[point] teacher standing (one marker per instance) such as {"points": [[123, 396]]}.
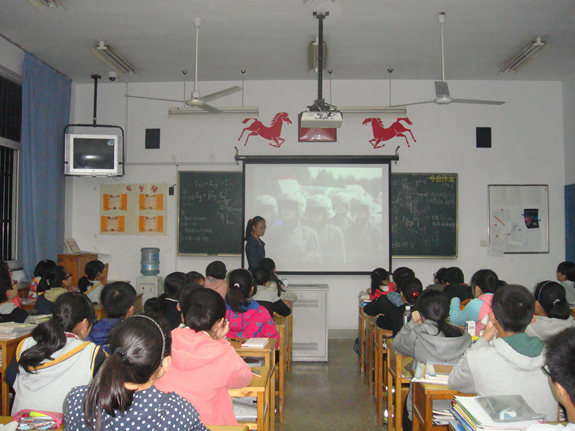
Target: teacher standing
{"points": [[255, 247]]}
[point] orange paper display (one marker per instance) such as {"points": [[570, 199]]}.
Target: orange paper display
{"points": [[116, 202], [153, 202], [115, 224], [151, 224]]}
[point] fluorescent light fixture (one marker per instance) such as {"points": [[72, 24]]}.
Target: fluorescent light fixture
{"points": [[380, 111], [231, 112], [526, 56], [39, 4], [112, 59]]}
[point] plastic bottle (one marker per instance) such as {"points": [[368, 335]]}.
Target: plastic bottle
{"points": [[407, 314]]}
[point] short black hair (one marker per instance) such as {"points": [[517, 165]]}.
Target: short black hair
{"points": [[202, 308], [486, 280], [5, 286], [261, 276], [567, 269], [401, 274], [216, 269], [513, 307], [440, 275], [195, 277], [174, 282], [411, 289], [186, 290], [560, 358], [454, 275], [117, 298]]}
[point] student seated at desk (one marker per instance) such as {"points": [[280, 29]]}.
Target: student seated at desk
{"points": [[118, 301], [266, 297], [197, 278], [59, 282], [484, 283], [55, 359], [276, 285], [505, 360], [204, 364], [41, 271], [380, 284], [390, 314], [216, 278], [167, 303], [566, 276], [559, 360], [91, 284], [8, 310], [6, 270], [248, 319], [455, 285], [122, 395], [438, 280], [429, 337], [552, 312]]}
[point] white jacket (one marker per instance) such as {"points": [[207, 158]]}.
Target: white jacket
{"points": [[545, 327]]}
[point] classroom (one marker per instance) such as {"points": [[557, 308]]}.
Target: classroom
{"points": [[533, 133]]}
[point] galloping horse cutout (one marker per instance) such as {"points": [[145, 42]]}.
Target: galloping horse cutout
{"points": [[380, 133], [271, 133]]}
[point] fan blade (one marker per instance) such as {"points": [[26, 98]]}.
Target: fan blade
{"points": [[210, 108], [478, 102], [222, 93], [411, 104], [441, 90], [156, 98]]}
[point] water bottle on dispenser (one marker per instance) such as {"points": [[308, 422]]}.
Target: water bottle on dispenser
{"points": [[149, 284]]}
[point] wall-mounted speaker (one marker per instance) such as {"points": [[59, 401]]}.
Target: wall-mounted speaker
{"points": [[152, 139], [483, 137]]}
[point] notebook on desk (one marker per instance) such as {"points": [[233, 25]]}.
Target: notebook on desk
{"points": [[255, 343]]}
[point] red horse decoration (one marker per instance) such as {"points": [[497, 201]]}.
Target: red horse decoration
{"points": [[271, 133], [380, 133]]}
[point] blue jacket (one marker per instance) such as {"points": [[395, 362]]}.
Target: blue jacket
{"points": [[100, 333]]}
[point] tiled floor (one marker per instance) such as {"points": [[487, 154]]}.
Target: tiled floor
{"points": [[329, 396]]}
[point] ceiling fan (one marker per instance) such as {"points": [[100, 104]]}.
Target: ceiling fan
{"points": [[197, 101], [442, 96]]}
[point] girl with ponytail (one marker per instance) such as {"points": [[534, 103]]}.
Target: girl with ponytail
{"points": [[55, 359], [202, 355], [91, 283], [552, 312], [255, 247], [276, 284], [123, 395], [428, 337], [50, 288], [247, 318]]}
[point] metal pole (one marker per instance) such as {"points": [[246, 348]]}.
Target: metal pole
{"points": [[94, 117]]}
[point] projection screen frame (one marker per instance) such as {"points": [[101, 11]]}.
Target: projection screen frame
{"points": [[319, 160]]}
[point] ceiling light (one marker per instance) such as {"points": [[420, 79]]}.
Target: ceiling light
{"points": [[39, 4], [232, 112], [313, 54], [112, 59], [526, 56]]}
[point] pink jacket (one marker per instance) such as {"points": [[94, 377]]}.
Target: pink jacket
{"points": [[483, 311], [220, 286], [255, 322], [202, 371]]}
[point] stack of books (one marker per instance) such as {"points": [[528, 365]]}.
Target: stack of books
{"points": [[432, 372], [500, 412], [13, 330], [255, 343]]}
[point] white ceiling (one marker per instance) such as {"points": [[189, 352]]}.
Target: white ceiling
{"points": [[269, 38]]}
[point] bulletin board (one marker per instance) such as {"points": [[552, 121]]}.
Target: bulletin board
{"points": [[518, 219]]}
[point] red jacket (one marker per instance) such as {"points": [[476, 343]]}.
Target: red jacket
{"points": [[202, 371]]}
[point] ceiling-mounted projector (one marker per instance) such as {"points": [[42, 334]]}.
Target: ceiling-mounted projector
{"points": [[321, 120]]}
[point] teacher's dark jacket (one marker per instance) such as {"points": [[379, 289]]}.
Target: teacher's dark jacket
{"points": [[255, 251]]}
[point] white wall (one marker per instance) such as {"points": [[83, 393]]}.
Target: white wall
{"points": [[527, 149], [569, 125]]}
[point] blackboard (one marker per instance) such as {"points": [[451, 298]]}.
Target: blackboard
{"points": [[210, 213], [424, 215]]}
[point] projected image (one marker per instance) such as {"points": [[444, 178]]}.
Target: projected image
{"points": [[321, 218]]}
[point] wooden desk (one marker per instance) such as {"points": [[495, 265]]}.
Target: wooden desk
{"points": [[7, 419], [423, 396], [381, 383], [397, 386], [101, 313], [282, 327], [8, 346], [370, 351], [361, 336], [289, 335], [261, 388]]}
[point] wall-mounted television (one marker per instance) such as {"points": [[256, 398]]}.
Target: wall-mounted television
{"points": [[93, 155]]}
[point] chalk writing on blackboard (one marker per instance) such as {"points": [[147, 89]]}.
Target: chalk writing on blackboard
{"points": [[210, 213], [424, 215]]}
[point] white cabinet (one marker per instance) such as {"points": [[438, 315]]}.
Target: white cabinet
{"points": [[310, 326]]}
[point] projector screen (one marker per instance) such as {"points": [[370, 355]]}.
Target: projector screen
{"points": [[321, 218]]}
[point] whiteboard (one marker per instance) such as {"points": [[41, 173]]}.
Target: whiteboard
{"points": [[518, 219]]}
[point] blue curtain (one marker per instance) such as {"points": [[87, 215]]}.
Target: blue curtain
{"points": [[46, 98]]}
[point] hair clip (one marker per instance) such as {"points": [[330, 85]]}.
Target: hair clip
{"points": [[237, 285]]}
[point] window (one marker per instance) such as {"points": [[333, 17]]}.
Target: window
{"points": [[10, 127]]}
